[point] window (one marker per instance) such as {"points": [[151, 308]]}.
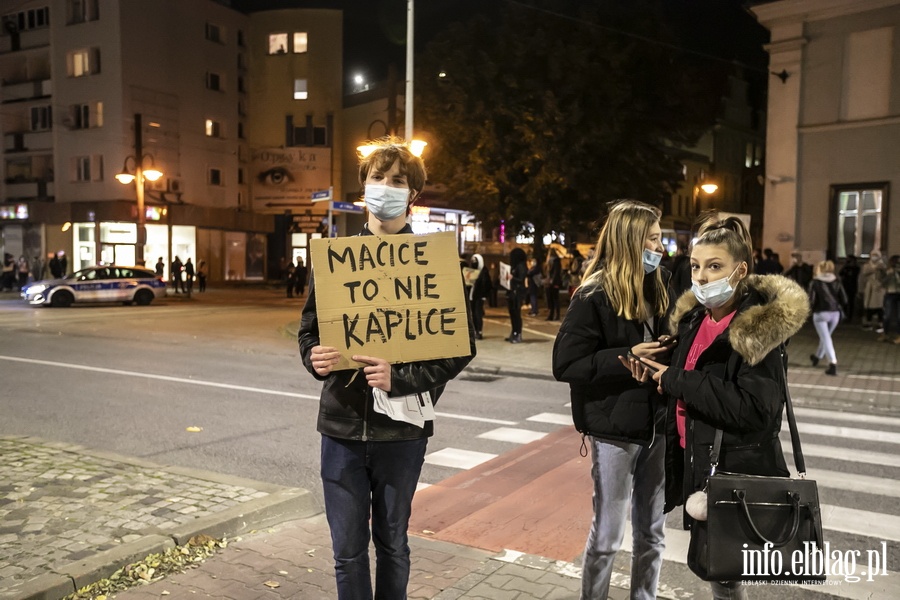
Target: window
{"points": [[300, 92], [214, 82], [240, 84], [85, 116], [41, 118], [87, 168], [213, 128], [81, 11], [83, 62], [241, 175], [34, 18], [867, 74], [300, 40], [278, 43], [240, 130], [240, 38], [857, 226], [215, 177], [214, 33]]}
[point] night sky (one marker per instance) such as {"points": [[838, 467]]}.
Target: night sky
{"points": [[375, 30]]}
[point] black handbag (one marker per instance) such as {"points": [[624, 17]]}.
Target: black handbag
{"points": [[759, 528]]}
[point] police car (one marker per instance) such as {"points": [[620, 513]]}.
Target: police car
{"points": [[102, 283]]}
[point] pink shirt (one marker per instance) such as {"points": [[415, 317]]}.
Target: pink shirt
{"points": [[709, 330]]}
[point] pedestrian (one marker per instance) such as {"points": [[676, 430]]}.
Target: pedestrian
{"points": [[515, 293], [619, 307], [800, 271], [300, 276], [160, 267], [769, 264], [554, 284], [849, 275], [534, 283], [872, 292], [479, 292], [177, 267], [202, 274], [828, 301], [370, 463], [291, 274], [727, 372], [189, 276], [890, 280], [37, 269], [9, 272], [681, 271], [23, 270], [63, 263], [53, 264], [575, 270]]}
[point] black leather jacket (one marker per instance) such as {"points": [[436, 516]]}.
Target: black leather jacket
{"points": [[345, 407]]}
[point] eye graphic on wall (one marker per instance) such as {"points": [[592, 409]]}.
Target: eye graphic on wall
{"points": [[275, 177]]}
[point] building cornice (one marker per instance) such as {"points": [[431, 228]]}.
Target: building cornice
{"points": [[839, 125], [815, 10]]}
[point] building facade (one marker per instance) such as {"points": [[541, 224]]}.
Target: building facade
{"points": [[833, 126]]}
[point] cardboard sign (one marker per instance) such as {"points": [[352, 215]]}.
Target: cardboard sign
{"points": [[397, 297], [470, 275], [505, 275]]}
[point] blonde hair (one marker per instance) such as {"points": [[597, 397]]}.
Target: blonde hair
{"points": [[618, 266], [826, 266]]}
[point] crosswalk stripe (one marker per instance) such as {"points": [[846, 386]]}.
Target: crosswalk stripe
{"points": [[834, 388], [846, 417], [512, 434], [472, 418], [457, 458], [553, 418], [870, 435], [850, 455], [856, 483]]}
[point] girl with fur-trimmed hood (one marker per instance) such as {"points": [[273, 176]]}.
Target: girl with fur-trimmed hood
{"points": [[727, 370]]}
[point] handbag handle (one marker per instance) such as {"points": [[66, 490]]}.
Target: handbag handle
{"points": [[799, 461], [794, 498]]}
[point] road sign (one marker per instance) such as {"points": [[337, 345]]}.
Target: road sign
{"points": [[322, 195], [346, 207]]}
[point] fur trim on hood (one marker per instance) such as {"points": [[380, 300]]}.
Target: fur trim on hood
{"points": [[757, 330], [479, 260]]}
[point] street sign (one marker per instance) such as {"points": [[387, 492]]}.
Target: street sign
{"points": [[346, 207], [322, 195]]}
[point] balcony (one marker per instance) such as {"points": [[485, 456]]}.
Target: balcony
{"points": [[27, 141], [28, 190], [28, 40], [26, 90]]}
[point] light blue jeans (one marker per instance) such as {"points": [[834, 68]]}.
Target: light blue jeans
{"points": [[728, 590], [825, 322], [625, 474]]}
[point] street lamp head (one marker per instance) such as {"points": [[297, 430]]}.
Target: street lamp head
{"points": [[709, 188], [152, 174], [125, 177]]}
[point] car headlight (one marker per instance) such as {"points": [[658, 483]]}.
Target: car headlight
{"points": [[35, 289]]}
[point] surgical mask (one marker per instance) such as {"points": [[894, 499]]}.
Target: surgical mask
{"points": [[651, 260], [715, 293], [386, 202]]}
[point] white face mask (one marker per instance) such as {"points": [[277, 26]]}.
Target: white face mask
{"points": [[385, 202], [651, 260], [715, 293]]}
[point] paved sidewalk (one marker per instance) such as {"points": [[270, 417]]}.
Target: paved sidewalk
{"points": [[70, 515]]}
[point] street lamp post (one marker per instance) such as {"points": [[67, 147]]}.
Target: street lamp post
{"points": [[410, 26], [139, 177]]}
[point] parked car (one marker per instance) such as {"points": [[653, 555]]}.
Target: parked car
{"points": [[101, 283]]}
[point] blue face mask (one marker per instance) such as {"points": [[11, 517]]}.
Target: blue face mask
{"points": [[385, 202], [715, 293], [651, 260]]}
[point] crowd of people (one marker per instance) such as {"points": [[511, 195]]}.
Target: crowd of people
{"points": [[17, 273]]}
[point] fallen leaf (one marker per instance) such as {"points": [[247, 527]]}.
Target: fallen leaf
{"points": [[271, 584], [164, 593], [282, 572], [194, 429], [311, 552]]}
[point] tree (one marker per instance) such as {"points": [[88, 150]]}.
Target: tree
{"points": [[540, 119]]}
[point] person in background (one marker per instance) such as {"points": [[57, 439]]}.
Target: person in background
{"points": [[534, 283], [370, 463], [770, 265], [554, 284], [160, 267], [515, 294], [189, 276], [53, 265], [890, 280], [619, 307], [9, 272], [202, 273], [175, 274], [22, 270], [291, 275], [849, 275], [872, 292], [681, 271], [478, 293], [727, 371], [300, 276], [63, 263], [800, 271], [828, 301]]}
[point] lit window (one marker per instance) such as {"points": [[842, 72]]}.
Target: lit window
{"points": [[300, 92], [213, 128], [83, 62], [300, 41], [859, 220], [278, 43]]}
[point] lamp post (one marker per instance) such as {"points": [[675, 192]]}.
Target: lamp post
{"points": [[410, 26], [139, 177]]}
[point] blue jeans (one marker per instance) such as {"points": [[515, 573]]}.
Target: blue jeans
{"points": [[825, 322], [625, 474], [728, 590], [381, 475]]}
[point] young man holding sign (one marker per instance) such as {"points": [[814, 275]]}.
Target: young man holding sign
{"points": [[375, 419]]}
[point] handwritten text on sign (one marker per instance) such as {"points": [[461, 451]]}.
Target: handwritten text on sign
{"points": [[397, 297]]}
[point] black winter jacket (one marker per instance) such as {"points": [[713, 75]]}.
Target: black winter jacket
{"points": [[738, 385], [346, 404], [607, 402], [826, 294]]}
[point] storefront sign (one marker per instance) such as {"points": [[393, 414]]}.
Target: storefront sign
{"points": [[14, 211]]}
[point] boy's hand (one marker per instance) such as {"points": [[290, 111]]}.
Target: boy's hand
{"points": [[378, 373], [323, 359]]}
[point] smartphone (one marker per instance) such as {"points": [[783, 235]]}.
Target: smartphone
{"points": [[668, 341], [638, 358]]}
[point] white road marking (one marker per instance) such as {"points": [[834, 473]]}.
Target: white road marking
{"points": [[471, 418], [855, 483], [549, 336], [834, 452], [846, 417], [852, 433], [834, 388], [458, 459], [215, 384], [511, 434], [553, 418]]}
